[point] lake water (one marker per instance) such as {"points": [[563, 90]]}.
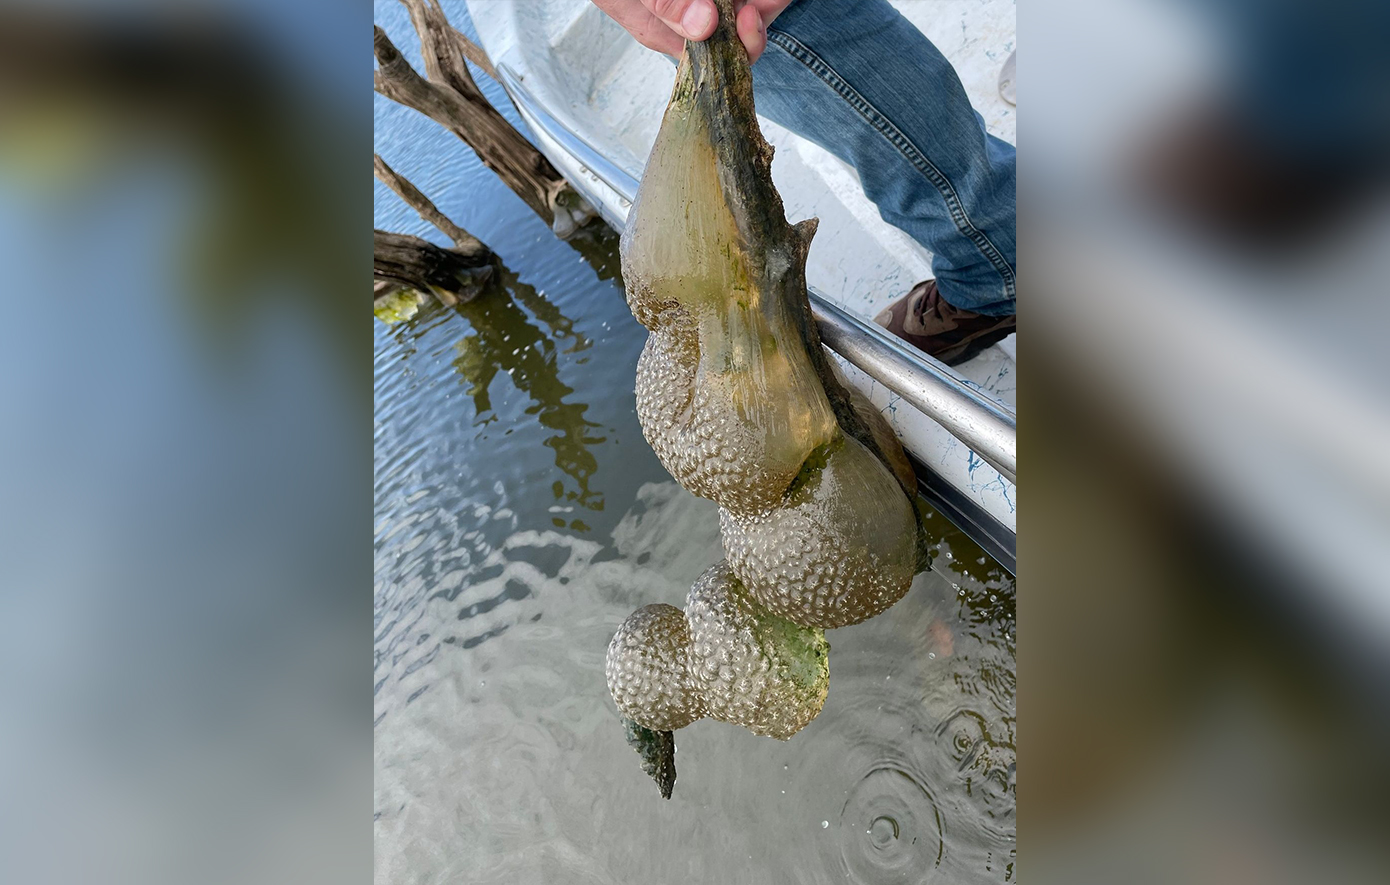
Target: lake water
{"points": [[520, 517]]}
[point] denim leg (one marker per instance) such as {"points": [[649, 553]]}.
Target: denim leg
{"points": [[861, 81]]}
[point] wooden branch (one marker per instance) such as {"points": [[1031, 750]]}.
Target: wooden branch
{"points": [[450, 97], [398, 81], [444, 62], [412, 263], [427, 210], [474, 53], [501, 148]]}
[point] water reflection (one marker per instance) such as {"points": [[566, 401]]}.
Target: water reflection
{"points": [[505, 341], [983, 588], [598, 245]]}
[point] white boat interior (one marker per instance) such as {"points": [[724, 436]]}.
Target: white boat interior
{"points": [[594, 98]]}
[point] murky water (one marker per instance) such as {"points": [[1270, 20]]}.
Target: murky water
{"points": [[520, 517]]}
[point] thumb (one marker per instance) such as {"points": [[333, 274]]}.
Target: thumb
{"points": [[692, 19]]}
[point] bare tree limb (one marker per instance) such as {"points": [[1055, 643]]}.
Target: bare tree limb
{"points": [[421, 204], [474, 53], [444, 62], [412, 263], [451, 97]]}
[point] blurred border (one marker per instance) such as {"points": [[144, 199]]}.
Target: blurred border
{"points": [[1203, 608], [185, 506]]}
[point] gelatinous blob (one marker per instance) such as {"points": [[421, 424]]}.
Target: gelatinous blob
{"points": [[733, 403], [755, 669], [647, 669], [725, 657], [742, 405], [734, 393], [836, 553]]}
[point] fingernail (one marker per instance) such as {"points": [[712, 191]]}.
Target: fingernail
{"points": [[697, 18]]}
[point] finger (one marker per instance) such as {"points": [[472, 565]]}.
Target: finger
{"points": [[639, 21], [693, 19], [751, 31]]}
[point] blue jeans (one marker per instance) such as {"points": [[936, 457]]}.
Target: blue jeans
{"points": [[862, 82]]}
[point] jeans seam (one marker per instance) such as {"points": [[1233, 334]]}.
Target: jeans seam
{"points": [[885, 127]]}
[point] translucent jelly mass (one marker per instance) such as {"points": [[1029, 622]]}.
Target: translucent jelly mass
{"points": [[725, 657], [727, 396], [817, 530], [753, 668], [647, 669], [837, 551]]}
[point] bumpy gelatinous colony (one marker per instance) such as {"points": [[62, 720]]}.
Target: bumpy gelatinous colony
{"points": [[729, 394], [741, 404], [648, 669], [835, 552], [725, 657]]}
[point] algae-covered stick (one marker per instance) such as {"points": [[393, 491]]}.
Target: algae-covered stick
{"points": [[743, 406]]}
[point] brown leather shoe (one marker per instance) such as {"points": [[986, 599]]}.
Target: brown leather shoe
{"points": [[928, 322]]}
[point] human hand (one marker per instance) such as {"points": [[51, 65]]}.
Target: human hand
{"points": [[665, 25]]}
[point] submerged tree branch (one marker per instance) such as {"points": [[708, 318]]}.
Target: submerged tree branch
{"points": [[409, 262]]}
